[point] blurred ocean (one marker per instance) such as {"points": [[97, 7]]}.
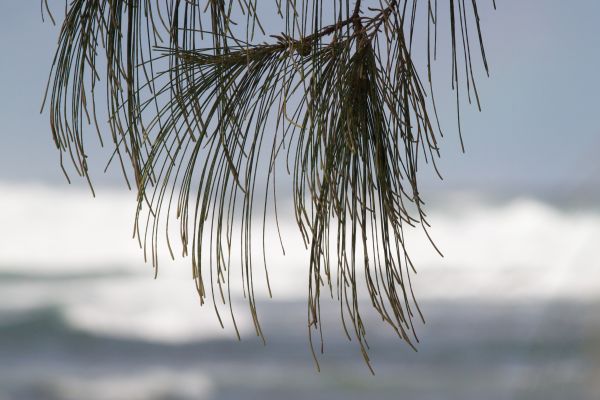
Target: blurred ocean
{"points": [[512, 311]]}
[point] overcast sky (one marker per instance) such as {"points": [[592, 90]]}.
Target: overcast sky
{"points": [[539, 127]]}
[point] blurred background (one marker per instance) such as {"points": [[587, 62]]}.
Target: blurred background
{"points": [[512, 309]]}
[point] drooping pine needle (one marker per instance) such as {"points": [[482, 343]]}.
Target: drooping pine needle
{"points": [[205, 116]]}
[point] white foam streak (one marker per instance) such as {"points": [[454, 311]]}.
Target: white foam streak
{"points": [[153, 384], [48, 230], [522, 249], [57, 229]]}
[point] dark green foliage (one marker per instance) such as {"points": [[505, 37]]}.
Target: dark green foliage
{"points": [[201, 111]]}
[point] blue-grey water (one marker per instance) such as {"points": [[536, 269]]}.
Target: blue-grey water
{"points": [[512, 312], [468, 350]]}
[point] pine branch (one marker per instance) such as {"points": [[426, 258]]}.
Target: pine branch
{"points": [[352, 116]]}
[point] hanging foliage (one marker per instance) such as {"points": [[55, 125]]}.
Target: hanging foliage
{"points": [[205, 107]]}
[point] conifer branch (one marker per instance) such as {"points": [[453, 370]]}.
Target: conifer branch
{"points": [[197, 109]]}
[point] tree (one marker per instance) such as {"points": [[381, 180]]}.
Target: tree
{"points": [[201, 96]]}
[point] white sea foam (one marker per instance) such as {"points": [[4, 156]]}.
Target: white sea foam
{"points": [[153, 384], [57, 229], [520, 249]]}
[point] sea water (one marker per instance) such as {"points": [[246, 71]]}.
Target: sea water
{"points": [[512, 311]]}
